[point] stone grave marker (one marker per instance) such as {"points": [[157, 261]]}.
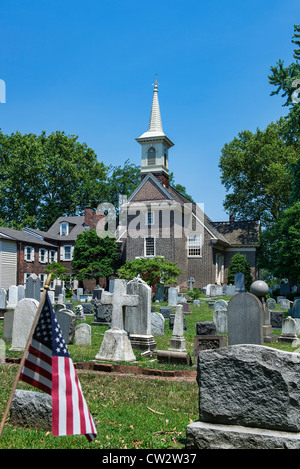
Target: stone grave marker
{"points": [[79, 312], [12, 297], [285, 304], [245, 320], [285, 289], [2, 298], [229, 290], [102, 313], [138, 318], [245, 395], [172, 296], [59, 306], [165, 311], [157, 324], [67, 322], [116, 345], [33, 287], [171, 322], [83, 334], [8, 321], [289, 332], [51, 296], [271, 303], [159, 294], [191, 281], [185, 307], [97, 292], [295, 310], [21, 292], [24, 315], [239, 282]]}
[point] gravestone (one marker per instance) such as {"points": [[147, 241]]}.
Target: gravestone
{"points": [[79, 312], [21, 292], [295, 310], [285, 304], [239, 282], [24, 315], [159, 294], [196, 303], [219, 290], [111, 285], [79, 292], [289, 332], [229, 290], [102, 314], [138, 318], [2, 298], [83, 334], [67, 322], [220, 304], [60, 298], [185, 307], [171, 322], [245, 320], [32, 409], [276, 318], [51, 296], [12, 297], [172, 296], [87, 308], [165, 311], [220, 319], [33, 287], [177, 342], [57, 291], [97, 292], [245, 396], [157, 324], [8, 322], [59, 306], [271, 303], [70, 306], [285, 289], [206, 328], [191, 281], [116, 345]]}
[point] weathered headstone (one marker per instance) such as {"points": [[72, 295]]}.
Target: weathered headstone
{"points": [[157, 324], [12, 297], [285, 289], [191, 281], [220, 318], [196, 303], [79, 312], [67, 322], [171, 322], [51, 296], [239, 282], [219, 290], [97, 292], [276, 318], [271, 303], [83, 334], [295, 310], [185, 307], [59, 306], [172, 296], [165, 311], [116, 345], [285, 304], [33, 287], [32, 409], [111, 285], [206, 328], [8, 322], [87, 308], [2, 298], [138, 318], [24, 315], [245, 396], [79, 292], [102, 313], [177, 342], [21, 292], [159, 294], [229, 290], [245, 320], [220, 304], [289, 332]]}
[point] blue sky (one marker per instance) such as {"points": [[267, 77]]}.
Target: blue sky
{"points": [[87, 68]]}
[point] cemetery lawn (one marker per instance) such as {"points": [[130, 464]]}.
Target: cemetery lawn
{"points": [[130, 411]]}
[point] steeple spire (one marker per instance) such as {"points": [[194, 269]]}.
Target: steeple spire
{"points": [[155, 124]]}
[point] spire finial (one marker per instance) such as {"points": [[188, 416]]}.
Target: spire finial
{"points": [[155, 84]]}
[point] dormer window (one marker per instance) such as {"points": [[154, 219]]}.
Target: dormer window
{"points": [[151, 156], [64, 228]]}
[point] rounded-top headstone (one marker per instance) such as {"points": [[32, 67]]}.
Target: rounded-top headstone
{"points": [[259, 288]]}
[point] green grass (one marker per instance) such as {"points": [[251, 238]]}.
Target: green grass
{"points": [[131, 412]]}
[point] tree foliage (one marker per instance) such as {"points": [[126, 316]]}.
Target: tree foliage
{"points": [[256, 172], [152, 270], [94, 257], [238, 264], [281, 246]]}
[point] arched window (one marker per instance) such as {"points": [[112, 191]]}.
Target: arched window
{"points": [[151, 156]]}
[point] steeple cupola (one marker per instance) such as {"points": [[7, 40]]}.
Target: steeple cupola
{"points": [[155, 145]]}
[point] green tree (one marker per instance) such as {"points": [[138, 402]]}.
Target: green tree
{"points": [[122, 181], [281, 246], [152, 270], [178, 187], [44, 177], [94, 257], [238, 264], [255, 169], [57, 270]]}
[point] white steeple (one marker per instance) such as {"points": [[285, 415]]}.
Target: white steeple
{"points": [[155, 144]]}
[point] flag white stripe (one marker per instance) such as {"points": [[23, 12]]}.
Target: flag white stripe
{"points": [[62, 397]]}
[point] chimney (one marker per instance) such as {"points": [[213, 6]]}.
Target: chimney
{"points": [[231, 218], [88, 216]]}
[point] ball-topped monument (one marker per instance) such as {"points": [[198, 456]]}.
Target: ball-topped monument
{"points": [[259, 288]]}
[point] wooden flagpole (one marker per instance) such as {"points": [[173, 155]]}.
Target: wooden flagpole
{"points": [[35, 321]]}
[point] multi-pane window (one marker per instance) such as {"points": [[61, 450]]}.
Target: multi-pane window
{"points": [[149, 247], [52, 256], [67, 253], [194, 246], [29, 253], [43, 255], [64, 229]]}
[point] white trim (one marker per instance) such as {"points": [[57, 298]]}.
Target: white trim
{"points": [[154, 246], [31, 254], [45, 260]]}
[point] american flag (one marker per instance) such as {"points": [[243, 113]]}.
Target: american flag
{"points": [[48, 367]]}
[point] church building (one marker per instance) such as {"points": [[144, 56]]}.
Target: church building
{"points": [[160, 221]]}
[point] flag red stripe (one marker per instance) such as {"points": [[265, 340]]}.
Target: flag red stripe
{"points": [[55, 397], [35, 383], [39, 354], [37, 369], [80, 403], [68, 395]]}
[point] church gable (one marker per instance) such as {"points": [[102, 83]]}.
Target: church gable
{"points": [[149, 189]]}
